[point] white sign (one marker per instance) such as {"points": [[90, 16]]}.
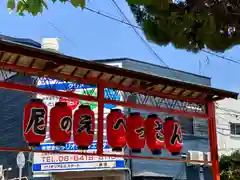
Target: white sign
{"points": [[20, 160], [52, 162]]}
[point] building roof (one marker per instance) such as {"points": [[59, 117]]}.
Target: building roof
{"points": [[20, 58], [144, 62], [25, 41]]}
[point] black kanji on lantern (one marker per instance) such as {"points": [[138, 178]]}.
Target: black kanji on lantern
{"points": [[159, 130], [176, 136], [118, 124], [66, 124], [85, 123], [140, 132], [36, 122]]}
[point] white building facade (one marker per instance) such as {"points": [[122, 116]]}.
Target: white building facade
{"points": [[228, 125]]}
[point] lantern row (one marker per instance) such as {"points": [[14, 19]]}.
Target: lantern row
{"points": [[132, 131]]}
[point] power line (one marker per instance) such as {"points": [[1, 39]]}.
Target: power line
{"points": [[118, 20], [137, 33], [55, 27], [222, 57], [138, 27], [229, 114], [110, 17], [230, 111]]}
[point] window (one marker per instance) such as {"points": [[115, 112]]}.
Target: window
{"points": [[235, 128], [186, 125]]}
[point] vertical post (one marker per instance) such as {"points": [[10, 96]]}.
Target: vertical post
{"points": [[131, 98], [130, 153], [100, 93], [213, 140], [6, 176], [20, 174]]}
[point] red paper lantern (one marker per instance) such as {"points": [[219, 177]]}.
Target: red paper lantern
{"points": [[35, 122], [60, 123], [116, 129], [173, 135], [83, 127], [154, 134], [135, 132]]}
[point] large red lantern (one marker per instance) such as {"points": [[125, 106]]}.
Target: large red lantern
{"points": [[154, 136], [60, 123], [135, 132], [35, 122], [173, 135], [116, 129], [83, 127]]}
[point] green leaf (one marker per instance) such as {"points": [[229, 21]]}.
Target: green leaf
{"points": [[11, 4], [20, 7], [77, 3], [34, 6], [83, 3]]}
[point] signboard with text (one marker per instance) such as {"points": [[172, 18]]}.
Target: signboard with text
{"points": [[52, 162]]}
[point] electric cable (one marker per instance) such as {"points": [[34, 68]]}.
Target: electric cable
{"points": [[232, 111], [111, 17], [121, 21], [138, 27], [138, 34], [222, 57]]}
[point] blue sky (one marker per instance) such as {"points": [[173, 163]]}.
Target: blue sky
{"points": [[90, 36]]}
